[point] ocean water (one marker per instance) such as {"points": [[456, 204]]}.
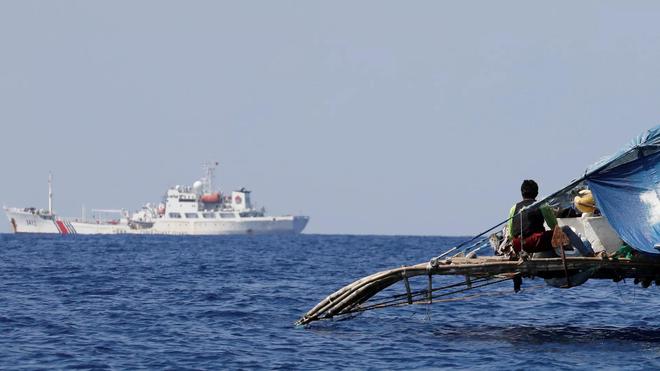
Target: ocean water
{"points": [[137, 302]]}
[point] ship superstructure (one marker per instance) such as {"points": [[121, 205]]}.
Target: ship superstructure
{"points": [[185, 210]]}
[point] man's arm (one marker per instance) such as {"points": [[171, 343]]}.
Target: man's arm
{"points": [[549, 216], [509, 224]]}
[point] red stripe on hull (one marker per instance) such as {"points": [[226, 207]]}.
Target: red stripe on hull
{"points": [[61, 227]]}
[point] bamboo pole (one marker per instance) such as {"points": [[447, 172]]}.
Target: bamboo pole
{"points": [[359, 291], [405, 282]]}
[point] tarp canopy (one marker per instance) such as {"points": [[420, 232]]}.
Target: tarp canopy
{"points": [[627, 192]]}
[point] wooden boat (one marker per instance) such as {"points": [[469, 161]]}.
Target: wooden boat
{"points": [[626, 190]]}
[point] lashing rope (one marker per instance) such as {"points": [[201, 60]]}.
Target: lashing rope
{"points": [[396, 299]]}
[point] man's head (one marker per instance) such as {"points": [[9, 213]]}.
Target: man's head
{"points": [[529, 189]]}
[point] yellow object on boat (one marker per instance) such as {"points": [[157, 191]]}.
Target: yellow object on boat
{"points": [[585, 201]]}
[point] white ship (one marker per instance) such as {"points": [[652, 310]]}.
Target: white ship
{"points": [[194, 210]]}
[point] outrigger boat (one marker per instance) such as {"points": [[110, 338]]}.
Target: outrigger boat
{"points": [[624, 239]]}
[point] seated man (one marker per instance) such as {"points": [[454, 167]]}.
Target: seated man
{"points": [[526, 228]]}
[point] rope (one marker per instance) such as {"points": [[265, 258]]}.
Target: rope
{"points": [[415, 294], [447, 300], [433, 261], [398, 302]]}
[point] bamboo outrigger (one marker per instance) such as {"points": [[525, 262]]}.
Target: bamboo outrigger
{"points": [[478, 272], [626, 188]]}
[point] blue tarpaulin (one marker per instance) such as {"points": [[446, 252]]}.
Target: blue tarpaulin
{"points": [[625, 186]]}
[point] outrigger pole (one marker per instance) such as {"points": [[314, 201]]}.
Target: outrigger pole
{"points": [[484, 271]]}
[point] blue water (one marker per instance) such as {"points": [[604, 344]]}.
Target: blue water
{"points": [[131, 302]]}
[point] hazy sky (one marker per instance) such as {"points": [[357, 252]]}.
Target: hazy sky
{"points": [[372, 117]]}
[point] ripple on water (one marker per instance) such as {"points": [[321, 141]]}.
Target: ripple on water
{"points": [[127, 302]]}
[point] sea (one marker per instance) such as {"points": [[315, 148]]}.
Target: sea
{"points": [[224, 303]]}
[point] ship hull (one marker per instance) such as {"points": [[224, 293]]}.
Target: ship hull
{"points": [[22, 221], [27, 222]]}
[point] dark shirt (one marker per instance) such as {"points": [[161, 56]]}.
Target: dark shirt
{"points": [[530, 220]]}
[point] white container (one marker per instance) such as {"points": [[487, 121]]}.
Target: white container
{"points": [[595, 229]]}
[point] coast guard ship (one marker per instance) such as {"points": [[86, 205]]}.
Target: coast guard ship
{"points": [[185, 210]]}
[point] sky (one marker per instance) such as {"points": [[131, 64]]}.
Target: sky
{"points": [[371, 117]]}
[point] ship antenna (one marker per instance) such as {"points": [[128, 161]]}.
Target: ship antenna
{"points": [[50, 193], [209, 168]]}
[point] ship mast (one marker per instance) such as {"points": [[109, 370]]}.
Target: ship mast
{"points": [[50, 193], [209, 177]]}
